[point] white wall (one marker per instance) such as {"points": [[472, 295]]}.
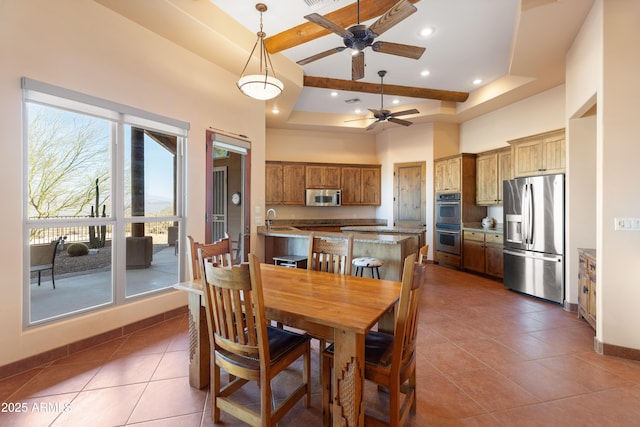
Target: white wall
{"points": [[85, 47]]}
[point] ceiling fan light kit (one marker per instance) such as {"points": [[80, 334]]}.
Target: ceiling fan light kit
{"points": [[260, 86]]}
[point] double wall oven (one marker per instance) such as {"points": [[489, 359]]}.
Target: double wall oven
{"points": [[448, 223]]}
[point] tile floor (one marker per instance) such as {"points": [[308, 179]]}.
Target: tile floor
{"points": [[486, 357]]}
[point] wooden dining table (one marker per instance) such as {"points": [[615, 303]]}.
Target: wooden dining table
{"points": [[331, 306]]}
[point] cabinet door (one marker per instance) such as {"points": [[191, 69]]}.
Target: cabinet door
{"points": [[371, 192], [554, 154], [351, 185], [505, 170], [273, 184], [293, 187], [528, 158], [487, 179], [494, 260], [473, 256], [454, 174], [440, 176]]}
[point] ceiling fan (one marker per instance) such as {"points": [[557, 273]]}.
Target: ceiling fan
{"points": [[358, 37], [383, 115]]}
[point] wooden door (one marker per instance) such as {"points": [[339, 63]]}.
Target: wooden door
{"points": [[409, 203], [371, 186], [273, 185], [293, 184], [351, 185], [486, 179]]}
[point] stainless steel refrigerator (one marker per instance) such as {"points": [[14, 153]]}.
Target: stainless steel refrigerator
{"points": [[534, 236]]}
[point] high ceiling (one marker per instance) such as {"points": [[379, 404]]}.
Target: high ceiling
{"points": [[516, 47]]}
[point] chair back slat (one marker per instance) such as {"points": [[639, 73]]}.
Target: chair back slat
{"points": [[424, 251], [219, 251], [413, 276], [330, 255]]}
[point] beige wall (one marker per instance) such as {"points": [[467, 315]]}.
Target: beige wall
{"points": [[82, 46]]}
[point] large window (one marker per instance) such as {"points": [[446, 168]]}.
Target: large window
{"points": [[103, 203]]}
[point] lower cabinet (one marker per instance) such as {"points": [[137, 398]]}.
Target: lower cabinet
{"points": [[482, 253], [587, 285]]}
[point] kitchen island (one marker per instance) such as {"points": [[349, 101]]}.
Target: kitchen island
{"points": [[391, 249], [420, 233]]}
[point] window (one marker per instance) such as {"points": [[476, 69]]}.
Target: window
{"points": [[104, 203]]}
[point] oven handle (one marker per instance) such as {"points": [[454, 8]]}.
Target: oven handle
{"points": [[447, 231], [447, 203]]}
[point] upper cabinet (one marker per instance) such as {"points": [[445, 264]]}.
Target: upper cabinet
{"points": [[492, 167], [323, 176], [539, 154], [286, 182], [448, 175], [361, 185]]}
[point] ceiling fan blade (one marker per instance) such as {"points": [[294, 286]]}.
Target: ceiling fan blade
{"points": [[408, 91], [357, 120], [357, 66], [404, 113], [408, 51], [369, 9], [397, 13], [372, 125], [399, 121], [328, 24], [321, 55]]}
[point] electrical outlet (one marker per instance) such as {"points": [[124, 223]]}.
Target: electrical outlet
{"points": [[627, 224]]}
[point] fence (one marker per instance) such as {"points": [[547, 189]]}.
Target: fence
{"points": [[81, 233]]}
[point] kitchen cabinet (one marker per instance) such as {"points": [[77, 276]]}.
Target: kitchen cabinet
{"points": [[482, 253], [587, 285], [285, 183], [361, 185], [492, 167], [540, 154], [323, 176], [448, 175]]}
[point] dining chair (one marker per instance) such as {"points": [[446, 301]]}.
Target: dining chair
{"points": [[246, 348], [220, 250], [43, 257], [390, 360], [422, 257], [329, 254]]}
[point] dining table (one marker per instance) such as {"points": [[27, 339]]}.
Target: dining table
{"points": [[339, 308]]}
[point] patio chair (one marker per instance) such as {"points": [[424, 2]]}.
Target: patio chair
{"points": [[43, 258]]}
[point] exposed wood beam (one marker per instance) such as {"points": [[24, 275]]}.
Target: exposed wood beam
{"points": [[344, 17], [412, 92]]}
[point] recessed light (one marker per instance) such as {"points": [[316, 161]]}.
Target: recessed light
{"points": [[427, 31], [357, 111], [477, 82], [425, 73], [395, 101], [275, 110], [334, 93]]}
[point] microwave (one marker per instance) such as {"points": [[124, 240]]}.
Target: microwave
{"points": [[323, 197]]}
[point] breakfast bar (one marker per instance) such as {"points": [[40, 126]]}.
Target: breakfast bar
{"points": [[391, 249]]}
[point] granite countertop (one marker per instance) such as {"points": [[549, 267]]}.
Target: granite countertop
{"points": [[338, 222], [292, 232], [477, 226], [384, 229]]}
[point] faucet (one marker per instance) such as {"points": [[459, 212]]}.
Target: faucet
{"points": [[270, 211]]}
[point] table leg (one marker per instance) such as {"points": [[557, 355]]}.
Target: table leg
{"points": [[199, 353], [348, 379]]}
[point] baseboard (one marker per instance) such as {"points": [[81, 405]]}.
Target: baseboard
{"points": [[570, 307], [615, 350], [49, 356]]}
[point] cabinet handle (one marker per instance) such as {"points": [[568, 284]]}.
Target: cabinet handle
{"points": [[585, 289]]}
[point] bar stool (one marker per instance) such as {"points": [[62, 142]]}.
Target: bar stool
{"points": [[367, 262]]}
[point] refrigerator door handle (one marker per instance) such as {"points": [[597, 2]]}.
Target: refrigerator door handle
{"points": [[525, 212], [530, 219], [524, 255]]}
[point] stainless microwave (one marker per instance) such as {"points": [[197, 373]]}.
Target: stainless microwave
{"points": [[323, 197]]}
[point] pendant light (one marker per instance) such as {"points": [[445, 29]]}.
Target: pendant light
{"points": [[260, 86]]}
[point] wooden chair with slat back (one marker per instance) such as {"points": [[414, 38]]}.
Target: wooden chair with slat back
{"points": [[330, 255], [246, 348], [390, 360], [422, 257], [220, 249]]}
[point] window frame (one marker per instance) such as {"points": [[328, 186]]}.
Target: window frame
{"points": [[120, 116]]}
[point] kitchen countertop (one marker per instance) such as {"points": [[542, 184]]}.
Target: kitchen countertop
{"points": [[384, 229], [477, 226], [292, 232]]}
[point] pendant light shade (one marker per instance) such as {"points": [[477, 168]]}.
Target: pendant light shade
{"points": [[261, 86]]}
